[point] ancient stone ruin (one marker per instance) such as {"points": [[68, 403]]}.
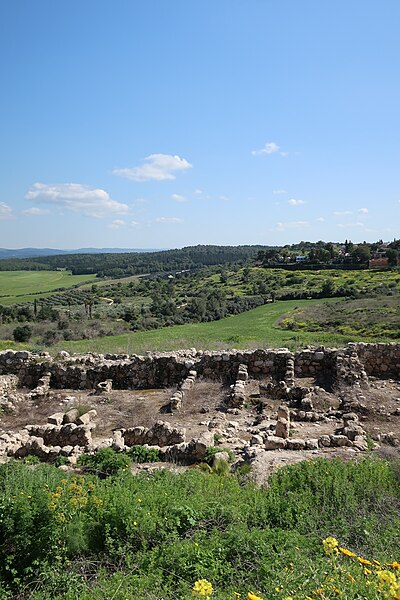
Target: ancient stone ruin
{"points": [[315, 400]]}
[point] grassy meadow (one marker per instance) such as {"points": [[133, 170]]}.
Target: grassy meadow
{"points": [[17, 287], [133, 315], [254, 328]]}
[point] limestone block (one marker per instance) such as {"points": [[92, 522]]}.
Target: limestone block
{"points": [[284, 412], [338, 441], [324, 441], [256, 440], [282, 428], [86, 418], [295, 444], [71, 416], [275, 443], [312, 444], [56, 418]]}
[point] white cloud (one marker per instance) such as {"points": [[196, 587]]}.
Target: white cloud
{"points": [[178, 198], [279, 192], [269, 148], [295, 202], [198, 192], [363, 211], [291, 225], [348, 225], [117, 224], [6, 212], [93, 202], [134, 223], [35, 211], [157, 167], [320, 220], [169, 220], [342, 213]]}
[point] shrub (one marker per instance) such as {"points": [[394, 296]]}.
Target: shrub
{"points": [[22, 333], [140, 454], [105, 462]]}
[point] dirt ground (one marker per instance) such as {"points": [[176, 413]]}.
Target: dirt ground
{"points": [[204, 407]]}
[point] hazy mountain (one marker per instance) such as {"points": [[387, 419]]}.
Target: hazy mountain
{"points": [[31, 252]]}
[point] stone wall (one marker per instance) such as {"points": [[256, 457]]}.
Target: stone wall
{"points": [[380, 360], [326, 366]]}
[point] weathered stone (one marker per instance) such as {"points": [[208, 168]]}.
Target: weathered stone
{"points": [[324, 441], [282, 428], [274, 443], [56, 418], [295, 444], [71, 416], [86, 418], [312, 444], [339, 440]]}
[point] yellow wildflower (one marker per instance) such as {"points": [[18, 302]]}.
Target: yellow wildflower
{"points": [[387, 577], [347, 552], [330, 545], [363, 561], [202, 589], [251, 596], [337, 591], [393, 565], [367, 571]]}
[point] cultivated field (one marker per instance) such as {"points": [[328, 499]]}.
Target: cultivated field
{"points": [[17, 287]]}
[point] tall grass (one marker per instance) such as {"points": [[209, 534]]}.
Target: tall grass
{"points": [[150, 537]]}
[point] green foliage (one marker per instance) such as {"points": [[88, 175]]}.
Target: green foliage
{"points": [[22, 333], [140, 454], [151, 536], [30, 459], [213, 450], [105, 462]]}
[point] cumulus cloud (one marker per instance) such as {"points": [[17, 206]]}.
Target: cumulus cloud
{"points": [[320, 220], [291, 225], [269, 148], [157, 167], [342, 213], [178, 198], [35, 211], [93, 202], [295, 202], [363, 211], [279, 191], [169, 220], [6, 212]]}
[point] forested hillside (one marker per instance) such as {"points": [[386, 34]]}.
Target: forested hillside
{"points": [[115, 265]]}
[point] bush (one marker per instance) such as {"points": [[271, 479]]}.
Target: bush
{"points": [[105, 462], [22, 333], [140, 454]]}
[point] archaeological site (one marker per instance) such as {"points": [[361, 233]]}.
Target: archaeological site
{"points": [[265, 407]]}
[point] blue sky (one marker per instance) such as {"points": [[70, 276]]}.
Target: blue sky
{"points": [[166, 123]]}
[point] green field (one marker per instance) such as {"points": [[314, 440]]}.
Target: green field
{"points": [[254, 328], [24, 286]]}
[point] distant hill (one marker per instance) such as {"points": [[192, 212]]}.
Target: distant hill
{"points": [[133, 262], [33, 252]]}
